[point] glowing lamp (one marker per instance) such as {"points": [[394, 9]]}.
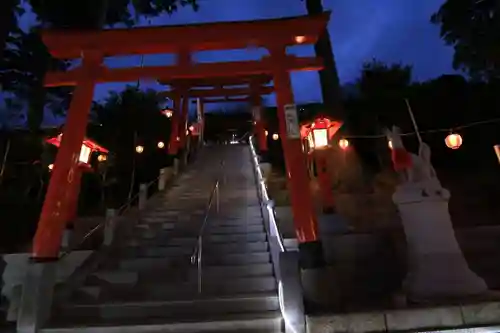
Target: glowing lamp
{"points": [[161, 145], [343, 144], [191, 128], [266, 133], [319, 132], [453, 141], [275, 136], [168, 113], [51, 166], [139, 149], [389, 144], [187, 132], [102, 158], [300, 39], [88, 146]]}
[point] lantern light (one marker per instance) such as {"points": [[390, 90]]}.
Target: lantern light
{"points": [[389, 144], [320, 136], [343, 144], [168, 113], [178, 138], [300, 39], [187, 132], [139, 149], [266, 133], [191, 128], [51, 166], [275, 136], [453, 141], [102, 158], [161, 144], [85, 152]]}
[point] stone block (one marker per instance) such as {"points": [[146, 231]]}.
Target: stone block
{"points": [[415, 319], [481, 314], [347, 323]]}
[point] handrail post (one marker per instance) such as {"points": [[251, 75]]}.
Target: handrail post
{"points": [[200, 249], [143, 196], [162, 180], [109, 227], [217, 198]]}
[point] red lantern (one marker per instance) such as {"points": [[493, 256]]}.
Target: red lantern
{"points": [[453, 141], [320, 132], [88, 146]]}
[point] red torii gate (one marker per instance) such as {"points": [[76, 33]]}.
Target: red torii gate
{"points": [[93, 46], [225, 87], [253, 85]]}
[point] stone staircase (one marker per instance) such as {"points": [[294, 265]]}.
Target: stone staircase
{"points": [[149, 284]]}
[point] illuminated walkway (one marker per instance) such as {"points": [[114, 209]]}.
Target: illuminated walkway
{"points": [[150, 284]]}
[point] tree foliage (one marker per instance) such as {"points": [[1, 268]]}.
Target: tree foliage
{"points": [[96, 13], [25, 59], [126, 119], [472, 27]]}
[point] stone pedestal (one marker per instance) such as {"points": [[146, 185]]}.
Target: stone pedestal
{"points": [[265, 168], [162, 180], [109, 227], [437, 268]]}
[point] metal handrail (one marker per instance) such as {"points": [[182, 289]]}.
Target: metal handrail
{"points": [[196, 257], [264, 197], [120, 211]]}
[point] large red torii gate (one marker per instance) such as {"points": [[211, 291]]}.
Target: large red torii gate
{"points": [[93, 46]]}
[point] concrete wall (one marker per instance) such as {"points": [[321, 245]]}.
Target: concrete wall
{"points": [[432, 319], [14, 270]]}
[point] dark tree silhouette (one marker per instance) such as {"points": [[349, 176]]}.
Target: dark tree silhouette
{"points": [[473, 29], [126, 119], [330, 86]]}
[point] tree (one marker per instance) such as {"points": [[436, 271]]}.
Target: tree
{"points": [[23, 67], [25, 58], [383, 87], [96, 13], [473, 29], [330, 86], [9, 11], [126, 119]]}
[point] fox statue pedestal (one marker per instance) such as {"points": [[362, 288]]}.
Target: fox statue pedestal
{"points": [[437, 268]]}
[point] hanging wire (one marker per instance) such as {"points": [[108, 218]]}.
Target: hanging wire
{"points": [[439, 130]]}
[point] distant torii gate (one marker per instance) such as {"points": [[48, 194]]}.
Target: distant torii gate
{"points": [[93, 46], [252, 86]]}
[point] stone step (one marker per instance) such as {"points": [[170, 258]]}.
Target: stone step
{"points": [[210, 249], [185, 290], [172, 309], [238, 229], [166, 274], [144, 263], [263, 322]]}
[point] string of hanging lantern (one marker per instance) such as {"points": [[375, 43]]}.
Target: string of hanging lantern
{"points": [[453, 140]]}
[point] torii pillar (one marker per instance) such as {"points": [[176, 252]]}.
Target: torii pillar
{"points": [[259, 122], [48, 237], [173, 145], [306, 223], [183, 142]]}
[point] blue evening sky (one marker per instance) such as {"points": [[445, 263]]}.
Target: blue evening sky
{"points": [[389, 30]]}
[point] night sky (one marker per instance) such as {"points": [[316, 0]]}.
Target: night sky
{"points": [[389, 30]]}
